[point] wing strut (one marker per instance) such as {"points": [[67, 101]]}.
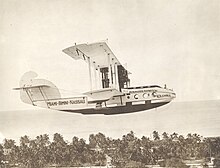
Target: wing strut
{"points": [[26, 90], [89, 65], [43, 96]]}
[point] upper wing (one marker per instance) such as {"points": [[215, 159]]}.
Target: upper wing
{"points": [[99, 54]]}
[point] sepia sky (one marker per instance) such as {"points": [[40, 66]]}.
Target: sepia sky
{"points": [[161, 42]]}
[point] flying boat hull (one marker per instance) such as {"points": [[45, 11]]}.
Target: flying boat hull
{"points": [[118, 109]]}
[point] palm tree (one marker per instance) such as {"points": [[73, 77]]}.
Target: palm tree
{"points": [[1, 154], [156, 135], [57, 149], [24, 150], [174, 136], [165, 135], [13, 151], [42, 156]]}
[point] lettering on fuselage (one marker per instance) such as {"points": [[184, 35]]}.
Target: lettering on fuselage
{"points": [[155, 94], [65, 102]]}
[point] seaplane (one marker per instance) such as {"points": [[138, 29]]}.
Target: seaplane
{"points": [[110, 92]]}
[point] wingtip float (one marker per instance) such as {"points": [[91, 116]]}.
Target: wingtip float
{"points": [[112, 93]]}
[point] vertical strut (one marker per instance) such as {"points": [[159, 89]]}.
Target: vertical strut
{"points": [[95, 76], [90, 75], [113, 73], [99, 78], [109, 71], [116, 75]]}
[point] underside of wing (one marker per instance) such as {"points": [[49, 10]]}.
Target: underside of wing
{"points": [[98, 53]]}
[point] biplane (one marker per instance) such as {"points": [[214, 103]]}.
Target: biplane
{"points": [[110, 92]]}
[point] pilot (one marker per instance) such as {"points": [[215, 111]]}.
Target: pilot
{"points": [[165, 86]]}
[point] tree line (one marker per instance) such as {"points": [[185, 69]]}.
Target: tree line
{"points": [[128, 151]]}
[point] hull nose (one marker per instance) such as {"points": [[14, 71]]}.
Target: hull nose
{"points": [[173, 95]]}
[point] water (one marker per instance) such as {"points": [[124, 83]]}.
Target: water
{"points": [[202, 117]]}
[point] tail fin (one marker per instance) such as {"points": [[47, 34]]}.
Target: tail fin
{"points": [[37, 91]]}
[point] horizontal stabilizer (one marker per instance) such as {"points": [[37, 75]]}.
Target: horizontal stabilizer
{"points": [[33, 90], [31, 87]]}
